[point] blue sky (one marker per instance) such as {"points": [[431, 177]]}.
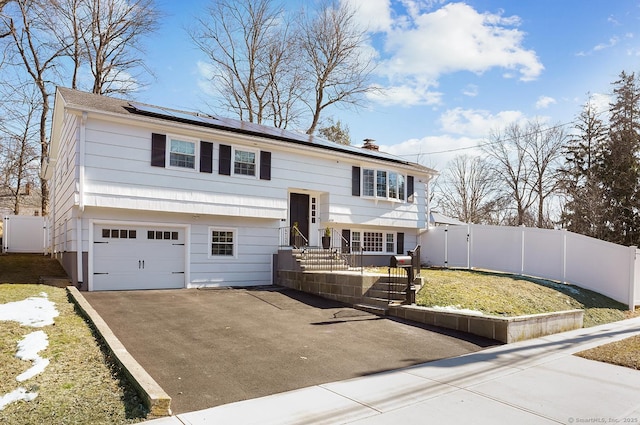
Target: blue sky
{"points": [[450, 72]]}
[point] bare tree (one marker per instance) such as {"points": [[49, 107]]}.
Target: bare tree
{"points": [[19, 155], [3, 3], [267, 70], [38, 53], [468, 191], [507, 154], [544, 150], [113, 42], [255, 69], [332, 45], [69, 27]]}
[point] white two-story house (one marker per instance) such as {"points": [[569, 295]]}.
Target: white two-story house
{"points": [[147, 197]]}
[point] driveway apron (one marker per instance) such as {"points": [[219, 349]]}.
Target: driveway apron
{"points": [[211, 347]]}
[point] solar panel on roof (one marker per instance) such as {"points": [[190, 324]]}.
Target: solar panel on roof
{"points": [[261, 130], [166, 112], [147, 108]]}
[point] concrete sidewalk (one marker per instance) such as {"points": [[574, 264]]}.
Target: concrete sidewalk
{"points": [[538, 381]]}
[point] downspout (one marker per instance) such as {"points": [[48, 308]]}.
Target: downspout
{"points": [[52, 222], [81, 148]]}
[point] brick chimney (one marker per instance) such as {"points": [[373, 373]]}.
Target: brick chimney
{"points": [[368, 144]]}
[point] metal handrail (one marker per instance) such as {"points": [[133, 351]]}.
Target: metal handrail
{"points": [[298, 237]]}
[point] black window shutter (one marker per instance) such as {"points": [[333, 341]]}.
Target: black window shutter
{"points": [[346, 240], [224, 164], [410, 189], [158, 148], [400, 243], [265, 165], [206, 157], [355, 181]]}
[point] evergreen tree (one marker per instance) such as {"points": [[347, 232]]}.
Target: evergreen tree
{"points": [[620, 170], [336, 132], [579, 176]]}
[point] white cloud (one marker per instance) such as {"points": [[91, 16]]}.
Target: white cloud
{"points": [[419, 47], [600, 101], [612, 42], [476, 122], [544, 102], [206, 72], [470, 90], [405, 95], [375, 15], [434, 151]]}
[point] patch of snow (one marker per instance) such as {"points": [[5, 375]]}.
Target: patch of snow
{"points": [[28, 349], [33, 311], [16, 395], [458, 309]]}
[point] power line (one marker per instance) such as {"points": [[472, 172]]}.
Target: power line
{"points": [[487, 143]]}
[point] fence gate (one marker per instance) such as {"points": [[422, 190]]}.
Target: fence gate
{"points": [[23, 234]]}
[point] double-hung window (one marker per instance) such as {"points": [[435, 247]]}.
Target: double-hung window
{"points": [[244, 162], [381, 184], [182, 154], [368, 182], [396, 186], [222, 242]]}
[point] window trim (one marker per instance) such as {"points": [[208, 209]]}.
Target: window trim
{"points": [[385, 243], [256, 170], [196, 153], [401, 197], [234, 232]]}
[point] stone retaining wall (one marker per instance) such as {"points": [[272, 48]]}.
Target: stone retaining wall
{"points": [[343, 286], [350, 287], [504, 329]]}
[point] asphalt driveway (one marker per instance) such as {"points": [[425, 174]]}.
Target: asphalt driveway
{"points": [[211, 347]]}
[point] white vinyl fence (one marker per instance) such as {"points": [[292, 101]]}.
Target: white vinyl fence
{"points": [[24, 233], [609, 269]]}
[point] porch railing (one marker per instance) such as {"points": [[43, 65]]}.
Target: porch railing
{"points": [[292, 236], [339, 253]]}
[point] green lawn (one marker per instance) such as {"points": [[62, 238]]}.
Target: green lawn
{"points": [[80, 385]]}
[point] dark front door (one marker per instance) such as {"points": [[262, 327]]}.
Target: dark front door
{"points": [[299, 213]]}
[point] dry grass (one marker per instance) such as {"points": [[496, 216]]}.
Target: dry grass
{"points": [[508, 295], [622, 353], [80, 385]]}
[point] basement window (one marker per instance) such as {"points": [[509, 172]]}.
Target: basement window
{"points": [[223, 242]]}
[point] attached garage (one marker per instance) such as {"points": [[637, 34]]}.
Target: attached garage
{"points": [[137, 257]]}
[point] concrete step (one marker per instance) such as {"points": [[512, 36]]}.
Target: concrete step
{"points": [[389, 286], [376, 301], [380, 311], [325, 267], [382, 293]]}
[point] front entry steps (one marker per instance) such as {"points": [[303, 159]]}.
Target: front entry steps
{"points": [[318, 259]]}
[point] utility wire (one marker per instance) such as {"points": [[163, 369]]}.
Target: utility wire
{"points": [[501, 140]]}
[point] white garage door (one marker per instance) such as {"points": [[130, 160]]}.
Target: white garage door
{"points": [[138, 257]]}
